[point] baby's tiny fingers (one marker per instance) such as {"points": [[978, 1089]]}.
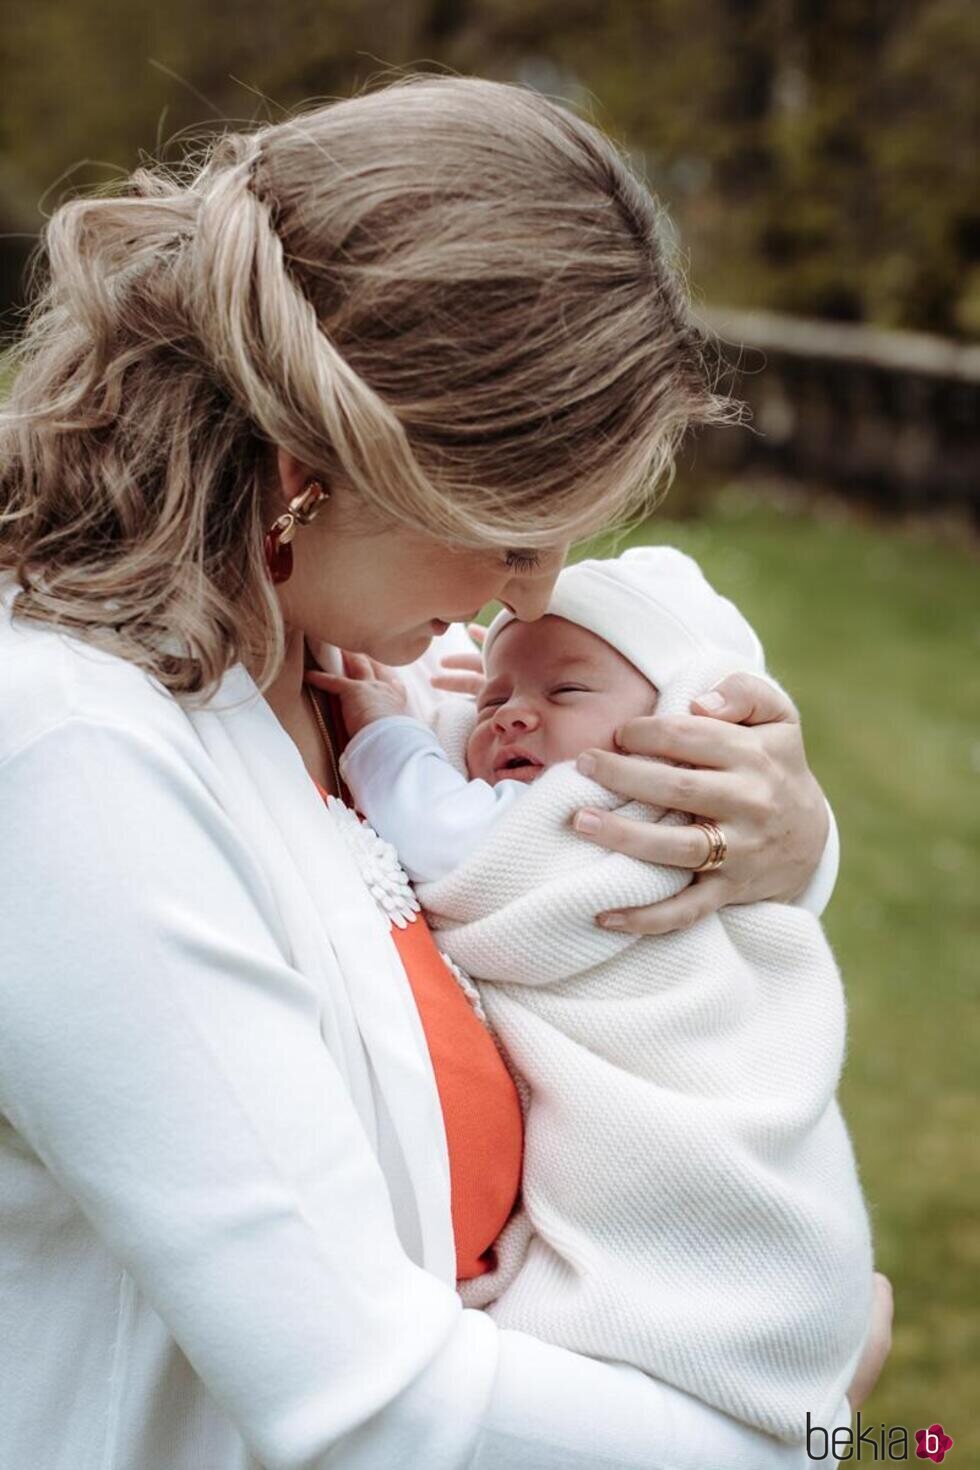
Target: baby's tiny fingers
{"points": [[385, 675], [461, 683], [473, 661], [322, 680]]}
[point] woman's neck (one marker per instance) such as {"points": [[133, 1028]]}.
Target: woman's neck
{"points": [[284, 695]]}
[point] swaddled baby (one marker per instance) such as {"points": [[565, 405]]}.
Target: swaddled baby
{"points": [[690, 1198]]}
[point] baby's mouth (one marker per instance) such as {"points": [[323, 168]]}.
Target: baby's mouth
{"points": [[518, 767]]}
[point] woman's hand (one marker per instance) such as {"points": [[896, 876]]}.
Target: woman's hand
{"points": [[878, 1344], [368, 691], [466, 676], [752, 779]]}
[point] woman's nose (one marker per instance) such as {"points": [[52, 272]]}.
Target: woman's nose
{"points": [[528, 599]]}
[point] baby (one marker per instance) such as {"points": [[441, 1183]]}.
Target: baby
{"points": [[690, 1199]]}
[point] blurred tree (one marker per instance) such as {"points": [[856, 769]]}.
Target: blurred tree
{"points": [[819, 156], [926, 146]]}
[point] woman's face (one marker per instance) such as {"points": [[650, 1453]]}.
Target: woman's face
{"points": [[388, 593]]}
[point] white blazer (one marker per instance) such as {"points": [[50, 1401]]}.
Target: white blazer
{"points": [[225, 1232]]}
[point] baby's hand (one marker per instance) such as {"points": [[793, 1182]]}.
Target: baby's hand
{"points": [[368, 691], [470, 678]]}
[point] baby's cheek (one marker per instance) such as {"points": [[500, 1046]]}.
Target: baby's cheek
{"points": [[476, 755]]}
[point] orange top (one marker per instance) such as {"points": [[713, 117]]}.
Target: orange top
{"points": [[480, 1106]]}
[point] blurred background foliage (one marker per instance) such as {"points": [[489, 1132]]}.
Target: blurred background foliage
{"points": [[818, 156]]}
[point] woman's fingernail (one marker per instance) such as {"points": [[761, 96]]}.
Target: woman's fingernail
{"points": [[587, 822], [711, 700], [586, 764], [612, 921]]}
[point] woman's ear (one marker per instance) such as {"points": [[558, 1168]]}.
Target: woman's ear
{"points": [[293, 474]]}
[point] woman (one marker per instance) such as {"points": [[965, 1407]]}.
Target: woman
{"points": [[359, 374]]}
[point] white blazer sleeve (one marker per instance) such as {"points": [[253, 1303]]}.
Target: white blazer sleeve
{"points": [[411, 794], [165, 1063]]}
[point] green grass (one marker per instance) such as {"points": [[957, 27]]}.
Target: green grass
{"points": [[875, 630]]}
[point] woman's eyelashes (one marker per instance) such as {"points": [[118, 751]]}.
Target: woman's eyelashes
{"points": [[522, 561]]}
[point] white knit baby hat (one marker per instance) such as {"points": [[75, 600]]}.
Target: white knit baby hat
{"points": [[655, 606]]}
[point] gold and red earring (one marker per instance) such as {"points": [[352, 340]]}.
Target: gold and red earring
{"points": [[302, 509]]}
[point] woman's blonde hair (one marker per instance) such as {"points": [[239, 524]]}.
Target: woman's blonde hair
{"points": [[450, 292]]}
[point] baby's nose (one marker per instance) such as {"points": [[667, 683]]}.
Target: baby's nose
{"points": [[516, 717]]}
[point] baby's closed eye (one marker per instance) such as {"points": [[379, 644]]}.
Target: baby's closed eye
{"points": [[485, 704]]}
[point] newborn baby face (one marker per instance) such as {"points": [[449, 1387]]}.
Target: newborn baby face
{"points": [[552, 690]]}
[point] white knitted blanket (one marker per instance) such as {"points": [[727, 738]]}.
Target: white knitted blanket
{"points": [[691, 1203]]}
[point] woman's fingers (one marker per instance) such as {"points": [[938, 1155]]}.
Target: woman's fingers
{"points": [[477, 632], [687, 738], [702, 793], [652, 842], [745, 770], [746, 699], [703, 897]]}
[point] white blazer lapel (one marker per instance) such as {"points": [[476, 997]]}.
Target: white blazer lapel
{"points": [[338, 936]]}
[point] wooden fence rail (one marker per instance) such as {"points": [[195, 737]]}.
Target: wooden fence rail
{"points": [[888, 416]]}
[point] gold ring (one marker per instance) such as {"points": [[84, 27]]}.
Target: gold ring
{"points": [[717, 846]]}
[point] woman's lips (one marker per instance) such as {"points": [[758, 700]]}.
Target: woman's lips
{"points": [[440, 626]]}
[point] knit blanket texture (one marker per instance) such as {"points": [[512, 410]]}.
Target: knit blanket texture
{"points": [[690, 1200]]}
